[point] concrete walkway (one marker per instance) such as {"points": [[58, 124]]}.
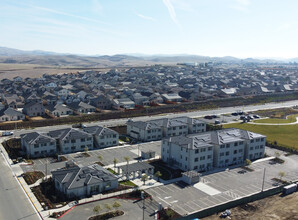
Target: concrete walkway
{"points": [[292, 123]]}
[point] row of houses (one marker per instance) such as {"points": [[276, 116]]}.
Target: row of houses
{"points": [[69, 140], [166, 127], [215, 149]]}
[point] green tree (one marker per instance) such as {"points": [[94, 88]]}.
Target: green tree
{"points": [[247, 162], [115, 161], [86, 149], [144, 178], [100, 157], [116, 205], [108, 206], [96, 209], [158, 175]]}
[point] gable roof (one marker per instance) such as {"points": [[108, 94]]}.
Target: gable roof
{"points": [[99, 130], [10, 112], [37, 138], [68, 134], [76, 177]]}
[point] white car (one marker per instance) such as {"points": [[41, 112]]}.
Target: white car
{"points": [[7, 133]]}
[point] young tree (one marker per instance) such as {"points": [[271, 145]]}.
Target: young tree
{"points": [[127, 160], [115, 161], [96, 209], [86, 149], [281, 174], [100, 157], [277, 154], [116, 205], [108, 206], [144, 178], [158, 175], [247, 162]]}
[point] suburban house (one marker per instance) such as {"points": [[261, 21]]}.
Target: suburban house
{"points": [[34, 109], [11, 114], [103, 137], [208, 150], [160, 128], [70, 140], [101, 102], [59, 110], [79, 182], [38, 145], [172, 97], [82, 107], [125, 103]]}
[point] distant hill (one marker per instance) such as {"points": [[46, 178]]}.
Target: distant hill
{"points": [[15, 56]]}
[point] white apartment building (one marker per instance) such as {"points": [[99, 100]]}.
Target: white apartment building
{"points": [[160, 128], [213, 149]]}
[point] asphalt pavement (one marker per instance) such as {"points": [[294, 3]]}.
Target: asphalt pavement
{"points": [[13, 202], [194, 114]]}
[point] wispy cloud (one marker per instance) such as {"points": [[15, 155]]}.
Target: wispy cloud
{"points": [[66, 14], [146, 17], [171, 10]]}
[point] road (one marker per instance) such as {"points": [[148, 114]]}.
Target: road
{"points": [[194, 114], [13, 202]]}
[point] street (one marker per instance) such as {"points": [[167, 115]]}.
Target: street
{"points": [[13, 202], [194, 114]]}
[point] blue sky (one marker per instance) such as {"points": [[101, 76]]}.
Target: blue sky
{"points": [[241, 28]]}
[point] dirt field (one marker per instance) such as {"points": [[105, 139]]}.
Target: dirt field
{"points": [[271, 208]]}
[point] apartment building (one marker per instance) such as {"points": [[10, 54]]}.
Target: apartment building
{"points": [[208, 150], [160, 128], [38, 145], [72, 140], [103, 137]]}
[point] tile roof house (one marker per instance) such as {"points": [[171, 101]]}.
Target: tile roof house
{"points": [[79, 182]]}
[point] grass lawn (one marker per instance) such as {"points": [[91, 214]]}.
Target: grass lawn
{"points": [[290, 119], [285, 135], [127, 183]]}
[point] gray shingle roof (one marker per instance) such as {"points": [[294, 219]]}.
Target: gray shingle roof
{"points": [[69, 134], [76, 177], [99, 130], [11, 112], [37, 138]]}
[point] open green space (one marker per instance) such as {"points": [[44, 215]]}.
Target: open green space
{"points": [[290, 119], [284, 135]]}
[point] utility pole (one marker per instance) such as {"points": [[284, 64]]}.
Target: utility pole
{"points": [[263, 179]]}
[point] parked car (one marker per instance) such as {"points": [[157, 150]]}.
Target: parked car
{"points": [[7, 133], [208, 117], [216, 122], [235, 114], [214, 116], [256, 116], [80, 125]]}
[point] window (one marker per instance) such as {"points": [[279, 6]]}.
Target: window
{"points": [[114, 142], [114, 135], [222, 154], [209, 148], [222, 146], [196, 151], [240, 150], [174, 128], [257, 140], [82, 146], [227, 145], [227, 161], [236, 144], [202, 158], [251, 148], [241, 142], [196, 159], [234, 159], [227, 153], [251, 141], [66, 142], [262, 139], [195, 167], [102, 137], [88, 139], [82, 139], [235, 151], [73, 141], [261, 146], [149, 132], [73, 147], [203, 149], [185, 158], [36, 146], [209, 156]]}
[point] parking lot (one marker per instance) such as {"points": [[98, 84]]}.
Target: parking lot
{"points": [[221, 187], [107, 154]]}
